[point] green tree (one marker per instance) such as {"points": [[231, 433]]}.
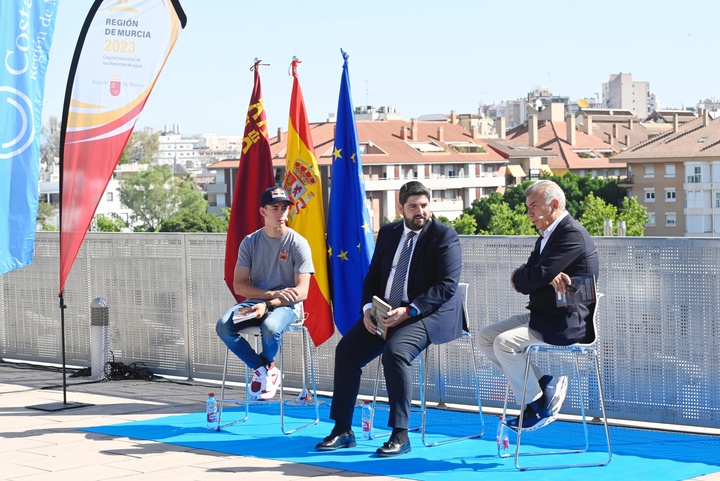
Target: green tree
{"points": [[141, 148], [155, 195], [191, 198], [481, 210], [505, 221], [111, 223], [515, 195], [444, 220], [635, 217], [193, 222], [595, 212], [45, 211], [465, 225]]}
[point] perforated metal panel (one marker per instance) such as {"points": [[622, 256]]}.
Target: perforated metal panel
{"points": [[659, 322]]}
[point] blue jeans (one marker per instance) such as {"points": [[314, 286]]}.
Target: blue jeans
{"points": [[272, 327]]}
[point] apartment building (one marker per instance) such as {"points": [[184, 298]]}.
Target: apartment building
{"points": [[620, 92], [578, 151], [457, 164], [677, 178]]}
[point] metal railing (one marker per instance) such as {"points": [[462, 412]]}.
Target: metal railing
{"points": [[660, 360]]}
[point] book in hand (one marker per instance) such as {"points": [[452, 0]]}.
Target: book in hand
{"points": [[581, 290], [243, 314], [379, 312]]}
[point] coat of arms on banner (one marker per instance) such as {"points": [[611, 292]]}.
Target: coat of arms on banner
{"points": [[115, 85], [297, 184]]}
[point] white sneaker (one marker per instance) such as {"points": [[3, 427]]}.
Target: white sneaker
{"points": [[259, 381], [555, 391], [272, 384]]}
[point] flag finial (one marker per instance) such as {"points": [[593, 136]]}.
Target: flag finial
{"points": [[257, 64], [292, 70]]}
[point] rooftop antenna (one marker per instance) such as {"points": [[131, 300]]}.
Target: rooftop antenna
{"points": [[366, 94]]}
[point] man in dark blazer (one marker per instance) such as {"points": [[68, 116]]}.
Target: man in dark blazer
{"points": [[564, 250], [426, 308]]}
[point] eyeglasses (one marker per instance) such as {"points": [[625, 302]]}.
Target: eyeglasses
{"points": [[570, 288]]}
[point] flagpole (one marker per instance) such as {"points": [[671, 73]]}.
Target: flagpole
{"points": [[60, 406]]}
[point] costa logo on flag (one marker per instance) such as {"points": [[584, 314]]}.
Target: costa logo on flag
{"points": [[115, 86], [284, 255]]}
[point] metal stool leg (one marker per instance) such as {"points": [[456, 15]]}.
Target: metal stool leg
{"points": [[576, 351], [306, 350], [423, 405], [223, 399], [305, 346]]}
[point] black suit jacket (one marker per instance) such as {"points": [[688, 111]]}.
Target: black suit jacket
{"points": [[433, 277], [571, 250]]}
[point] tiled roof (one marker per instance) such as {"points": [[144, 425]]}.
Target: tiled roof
{"points": [[552, 136], [699, 138], [388, 147], [514, 150]]}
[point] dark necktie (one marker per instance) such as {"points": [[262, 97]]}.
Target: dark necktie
{"points": [[396, 291]]}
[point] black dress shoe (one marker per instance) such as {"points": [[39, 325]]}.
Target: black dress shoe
{"points": [[331, 443], [393, 448]]}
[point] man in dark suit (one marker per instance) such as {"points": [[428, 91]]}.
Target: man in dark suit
{"points": [[421, 287], [564, 250]]}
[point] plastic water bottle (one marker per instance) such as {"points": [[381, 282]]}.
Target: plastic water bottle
{"points": [[503, 440], [211, 412], [366, 419]]}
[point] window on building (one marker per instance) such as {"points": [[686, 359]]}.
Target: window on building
{"points": [[717, 199], [651, 218], [670, 219], [426, 147], [649, 170], [695, 175], [649, 195], [109, 196], [669, 170], [670, 195]]}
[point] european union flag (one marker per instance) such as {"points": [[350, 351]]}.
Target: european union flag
{"points": [[350, 233]]}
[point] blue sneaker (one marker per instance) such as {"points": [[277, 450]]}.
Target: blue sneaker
{"points": [[535, 416], [554, 390]]}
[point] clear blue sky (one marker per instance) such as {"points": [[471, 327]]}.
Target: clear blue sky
{"points": [[422, 57]]}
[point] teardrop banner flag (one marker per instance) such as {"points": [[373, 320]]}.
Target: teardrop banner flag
{"points": [[307, 215], [122, 48]]}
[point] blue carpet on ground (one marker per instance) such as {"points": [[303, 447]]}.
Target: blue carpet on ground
{"points": [[637, 454]]}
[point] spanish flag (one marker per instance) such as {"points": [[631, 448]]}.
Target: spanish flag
{"points": [[307, 216]]}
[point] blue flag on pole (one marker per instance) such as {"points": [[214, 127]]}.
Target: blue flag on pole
{"points": [[25, 38], [350, 233]]}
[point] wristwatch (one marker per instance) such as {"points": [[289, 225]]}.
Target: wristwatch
{"points": [[412, 312], [268, 306]]}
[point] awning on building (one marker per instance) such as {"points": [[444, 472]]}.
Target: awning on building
{"points": [[516, 171], [545, 168]]}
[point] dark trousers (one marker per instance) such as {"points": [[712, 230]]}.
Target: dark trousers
{"points": [[357, 348]]}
